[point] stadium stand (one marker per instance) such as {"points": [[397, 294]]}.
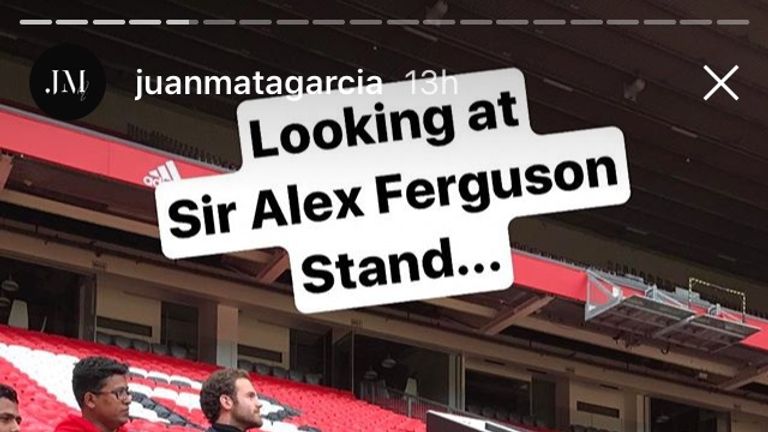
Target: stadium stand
{"points": [[166, 390]]}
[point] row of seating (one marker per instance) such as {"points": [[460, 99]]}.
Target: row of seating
{"points": [[580, 428], [166, 143], [141, 345], [167, 391], [504, 415], [280, 372]]}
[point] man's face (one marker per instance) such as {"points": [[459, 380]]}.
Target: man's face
{"points": [[110, 404], [10, 420], [246, 410]]}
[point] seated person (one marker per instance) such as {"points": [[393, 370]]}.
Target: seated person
{"points": [[10, 420], [230, 402], [100, 385]]}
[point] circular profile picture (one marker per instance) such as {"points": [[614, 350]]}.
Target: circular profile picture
{"points": [[67, 82]]}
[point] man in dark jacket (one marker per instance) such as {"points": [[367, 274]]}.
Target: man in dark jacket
{"points": [[10, 420], [101, 389], [230, 402]]}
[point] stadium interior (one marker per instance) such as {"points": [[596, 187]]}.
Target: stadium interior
{"points": [[648, 317]]}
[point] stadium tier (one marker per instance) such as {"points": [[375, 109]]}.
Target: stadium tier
{"points": [[165, 391]]}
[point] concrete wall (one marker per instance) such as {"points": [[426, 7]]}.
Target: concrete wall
{"points": [[596, 395], [114, 300], [259, 334], [741, 422]]}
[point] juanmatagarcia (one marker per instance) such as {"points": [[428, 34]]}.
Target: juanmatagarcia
{"points": [[257, 84]]}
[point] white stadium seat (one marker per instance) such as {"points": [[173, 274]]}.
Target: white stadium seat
{"points": [[189, 401], [159, 376], [138, 371], [160, 392], [140, 388]]}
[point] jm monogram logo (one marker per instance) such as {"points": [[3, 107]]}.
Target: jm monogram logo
{"points": [[69, 85], [67, 82]]}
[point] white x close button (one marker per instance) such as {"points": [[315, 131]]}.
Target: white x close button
{"points": [[721, 82]]}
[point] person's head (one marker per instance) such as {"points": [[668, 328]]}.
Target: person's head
{"points": [[10, 420], [101, 389], [228, 397]]}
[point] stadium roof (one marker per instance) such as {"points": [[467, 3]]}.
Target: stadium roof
{"points": [[698, 167]]}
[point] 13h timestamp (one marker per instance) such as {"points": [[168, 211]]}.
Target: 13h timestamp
{"points": [[430, 82]]}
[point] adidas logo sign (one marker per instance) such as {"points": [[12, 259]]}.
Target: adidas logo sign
{"points": [[163, 173]]}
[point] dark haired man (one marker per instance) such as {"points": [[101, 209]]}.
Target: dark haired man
{"points": [[10, 420], [230, 402], [101, 389]]}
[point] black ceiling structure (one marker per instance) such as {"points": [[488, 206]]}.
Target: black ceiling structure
{"points": [[698, 168]]}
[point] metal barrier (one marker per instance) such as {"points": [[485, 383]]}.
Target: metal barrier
{"points": [[405, 404]]}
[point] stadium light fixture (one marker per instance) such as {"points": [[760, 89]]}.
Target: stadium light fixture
{"points": [[9, 285], [389, 362], [370, 374]]}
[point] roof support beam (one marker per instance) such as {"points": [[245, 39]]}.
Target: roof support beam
{"points": [[463, 306], [6, 164], [272, 271], [744, 377], [514, 314]]}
